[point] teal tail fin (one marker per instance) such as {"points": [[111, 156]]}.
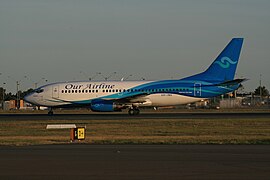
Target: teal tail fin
{"points": [[224, 66]]}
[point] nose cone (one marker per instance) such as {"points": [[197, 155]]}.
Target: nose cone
{"points": [[29, 98]]}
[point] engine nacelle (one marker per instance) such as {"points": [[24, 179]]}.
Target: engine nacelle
{"points": [[104, 106]]}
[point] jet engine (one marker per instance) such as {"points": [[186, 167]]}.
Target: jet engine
{"points": [[104, 106]]}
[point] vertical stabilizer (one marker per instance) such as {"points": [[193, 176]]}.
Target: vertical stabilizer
{"points": [[224, 66]]}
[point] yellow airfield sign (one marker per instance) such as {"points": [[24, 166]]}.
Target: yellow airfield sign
{"points": [[81, 133]]}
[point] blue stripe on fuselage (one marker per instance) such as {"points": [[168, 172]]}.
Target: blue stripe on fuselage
{"points": [[178, 87]]}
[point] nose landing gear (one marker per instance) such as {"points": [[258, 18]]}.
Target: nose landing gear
{"points": [[50, 112]]}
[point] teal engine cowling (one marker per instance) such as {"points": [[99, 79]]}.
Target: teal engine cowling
{"points": [[104, 106]]}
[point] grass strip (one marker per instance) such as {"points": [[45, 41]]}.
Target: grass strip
{"points": [[141, 131]]}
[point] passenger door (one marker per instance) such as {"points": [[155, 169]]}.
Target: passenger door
{"points": [[55, 91], [197, 89]]}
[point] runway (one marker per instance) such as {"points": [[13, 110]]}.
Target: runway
{"points": [[86, 161], [123, 116], [135, 162]]}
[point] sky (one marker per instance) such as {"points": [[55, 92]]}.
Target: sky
{"points": [[67, 40]]}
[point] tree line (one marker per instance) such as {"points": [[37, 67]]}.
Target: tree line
{"points": [[10, 96]]}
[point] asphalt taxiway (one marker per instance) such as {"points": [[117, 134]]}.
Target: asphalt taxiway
{"points": [[135, 162], [123, 116], [81, 161]]}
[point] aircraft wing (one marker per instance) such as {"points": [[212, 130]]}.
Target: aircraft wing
{"points": [[138, 98]]}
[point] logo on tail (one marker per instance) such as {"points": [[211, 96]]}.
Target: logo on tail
{"points": [[225, 62]]}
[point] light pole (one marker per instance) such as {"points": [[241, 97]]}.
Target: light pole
{"points": [[125, 78], [3, 96], [18, 94], [97, 73], [88, 77], [107, 77], [261, 87], [37, 82], [42, 79], [17, 89]]}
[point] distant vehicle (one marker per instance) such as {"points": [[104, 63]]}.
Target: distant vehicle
{"points": [[109, 96]]}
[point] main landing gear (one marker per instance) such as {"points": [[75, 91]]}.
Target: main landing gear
{"points": [[133, 111]]}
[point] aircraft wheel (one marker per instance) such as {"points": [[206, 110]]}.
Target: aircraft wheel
{"points": [[136, 111], [133, 112]]}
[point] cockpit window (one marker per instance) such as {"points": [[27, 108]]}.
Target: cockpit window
{"points": [[39, 90]]}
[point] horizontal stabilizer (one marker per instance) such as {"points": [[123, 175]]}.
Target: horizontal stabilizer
{"points": [[232, 83]]}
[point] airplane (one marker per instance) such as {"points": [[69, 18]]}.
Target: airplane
{"points": [[110, 96]]}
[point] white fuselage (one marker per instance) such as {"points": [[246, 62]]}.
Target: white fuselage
{"points": [[59, 94]]}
